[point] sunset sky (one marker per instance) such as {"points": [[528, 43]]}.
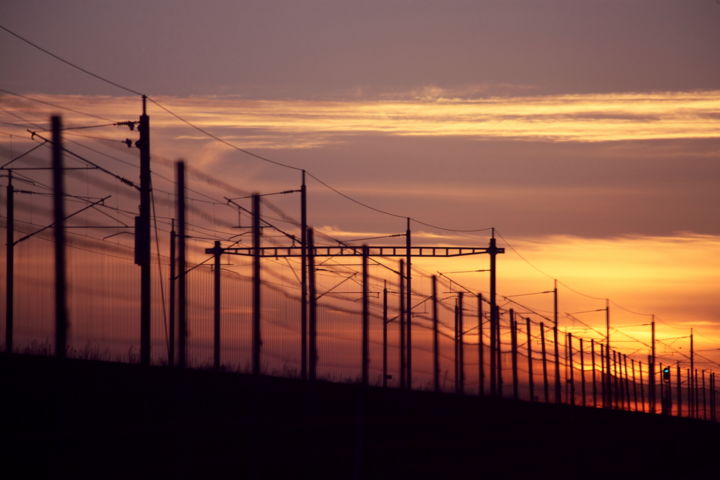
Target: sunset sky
{"points": [[587, 132]]}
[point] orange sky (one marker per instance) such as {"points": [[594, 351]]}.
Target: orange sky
{"points": [[595, 156]]}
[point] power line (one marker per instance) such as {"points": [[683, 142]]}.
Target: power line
{"points": [[221, 140], [69, 63], [231, 145], [54, 105], [259, 157]]}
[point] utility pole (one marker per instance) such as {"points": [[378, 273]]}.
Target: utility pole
{"points": [[365, 319], [571, 368], [384, 330], [256, 305], [546, 391], [608, 377], [408, 303], [455, 347], [594, 385], [692, 400], [531, 380], [651, 373], [436, 338], [494, 340], [555, 302], [582, 371], [403, 357], [556, 346], [181, 265], [481, 346], [171, 309], [216, 307], [142, 234], [61, 314], [558, 388], [678, 387], [499, 353], [9, 265], [312, 292], [303, 280], [459, 338], [513, 353]]}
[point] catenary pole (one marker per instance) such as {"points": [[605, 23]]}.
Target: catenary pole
{"points": [[58, 183], [143, 235]]}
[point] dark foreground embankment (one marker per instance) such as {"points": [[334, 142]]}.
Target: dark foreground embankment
{"points": [[86, 419]]}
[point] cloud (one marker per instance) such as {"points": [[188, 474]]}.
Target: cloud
{"points": [[312, 123]]}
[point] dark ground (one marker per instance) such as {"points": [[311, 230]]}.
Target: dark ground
{"points": [[87, 419]]}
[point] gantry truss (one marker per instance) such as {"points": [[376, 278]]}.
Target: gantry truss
{"points": [[357, 251]]}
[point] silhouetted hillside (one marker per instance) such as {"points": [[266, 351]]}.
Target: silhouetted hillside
{"points": [[86, 419]]}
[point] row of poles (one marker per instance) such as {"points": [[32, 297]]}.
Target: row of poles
{"points": [[614, 386]]}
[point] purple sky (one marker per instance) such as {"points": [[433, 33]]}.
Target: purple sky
{"points": [[411, 59], [312, 49]]}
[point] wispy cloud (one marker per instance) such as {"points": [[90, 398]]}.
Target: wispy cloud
{"points": [[311, 123]]}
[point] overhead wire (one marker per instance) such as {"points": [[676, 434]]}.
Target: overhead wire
{"points": [[266, 159]]}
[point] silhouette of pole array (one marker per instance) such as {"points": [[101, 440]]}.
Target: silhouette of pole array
{"points": [[616, 388]]}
